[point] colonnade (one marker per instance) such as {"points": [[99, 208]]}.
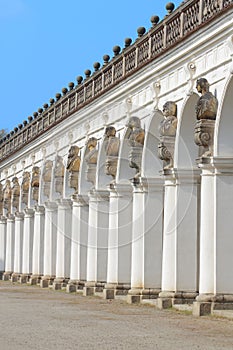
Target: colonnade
{"points": [[144, 216]]}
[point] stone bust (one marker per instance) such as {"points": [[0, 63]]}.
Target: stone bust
{"points": [[25, 187], [59, 174], [167, 134], [169, 124], [7, 196], [47, 177], [207, 104], [15, 193], [35, 183], [135, 135], [91, 160], [73, 166], [112, 144]]}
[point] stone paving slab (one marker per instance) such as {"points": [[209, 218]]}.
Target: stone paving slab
{"points": [[35, 318]]}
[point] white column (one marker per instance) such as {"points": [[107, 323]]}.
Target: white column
{"points": [[2, 244], [119, 241], [97, 250], [181, 237], [28, 233], [50, 244], [38, 245], [10, 245], [78, 268], [18, 253], [64, 227]]}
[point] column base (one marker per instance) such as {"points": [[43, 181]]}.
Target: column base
{"points": [[115, 290], [169, 299], [138, 295], [24, 278], [46, 281], [93, 288], [34, 279], [60, 283], [1, 274], [75, 286], [15, 277], [7, 275], [207, 304]]}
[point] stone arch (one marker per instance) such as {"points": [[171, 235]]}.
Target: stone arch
{"points": [[223, 140], [186, 151]]}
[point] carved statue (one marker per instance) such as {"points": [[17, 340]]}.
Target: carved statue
{"points": [[1, 199], [91, 160], [35, 183], [135, 135], [15, 193], [167, 132], [207, 104], [25, 187], [59, 174], [47, 176], [73, 165], [206, 110], [7, 196], [112, 144]]}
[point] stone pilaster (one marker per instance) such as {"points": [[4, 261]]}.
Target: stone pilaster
{"points": [[3, 223], [38, 245], [18, 252], [10, 246], [78, 268], [28, 233], [97, 248], [64, 220], [50, 242]]}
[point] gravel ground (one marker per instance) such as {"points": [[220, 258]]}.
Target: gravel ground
{"points": [[35, 318]]}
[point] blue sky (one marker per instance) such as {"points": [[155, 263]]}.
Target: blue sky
{"points": [[45, 44]]}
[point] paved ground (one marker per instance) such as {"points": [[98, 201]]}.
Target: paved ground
{"points": [[35, 318]]}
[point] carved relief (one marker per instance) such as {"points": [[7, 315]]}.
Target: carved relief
{"points": [[167, 132], [73, 166], [15, 193], [112, 144], [35, 183], [47, 176], [7, 197], [91, 160], [206, 110], [25, 187], [135, 135]]}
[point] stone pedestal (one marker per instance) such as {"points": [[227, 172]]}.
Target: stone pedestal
{"points": [[28, 233], [38, 245], [181, 237], [18, 252], [97, 248], [64, 222], [50, 244], [119, 241], [3, 223], [10, 247], [78, 243]]}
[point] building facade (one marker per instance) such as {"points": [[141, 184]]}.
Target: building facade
{"points": [[123, 184]]}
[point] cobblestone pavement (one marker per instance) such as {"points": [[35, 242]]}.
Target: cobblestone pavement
{"points": [[35, 318]]}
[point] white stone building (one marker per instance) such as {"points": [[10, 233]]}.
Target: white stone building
{"points": [[111, 189]]}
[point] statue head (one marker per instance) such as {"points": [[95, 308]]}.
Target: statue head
{"points": [[110, 131], [91, 143], [170, 109], [134, 122], [202, 85]]}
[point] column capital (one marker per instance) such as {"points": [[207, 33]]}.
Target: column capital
{"points": [[223, 165], [64, 203], [98, 195], [10, 218], [122, 189], [29, 212], [79, 200], [39, 209], [50, 205], [3, 219], [19, 215]]}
